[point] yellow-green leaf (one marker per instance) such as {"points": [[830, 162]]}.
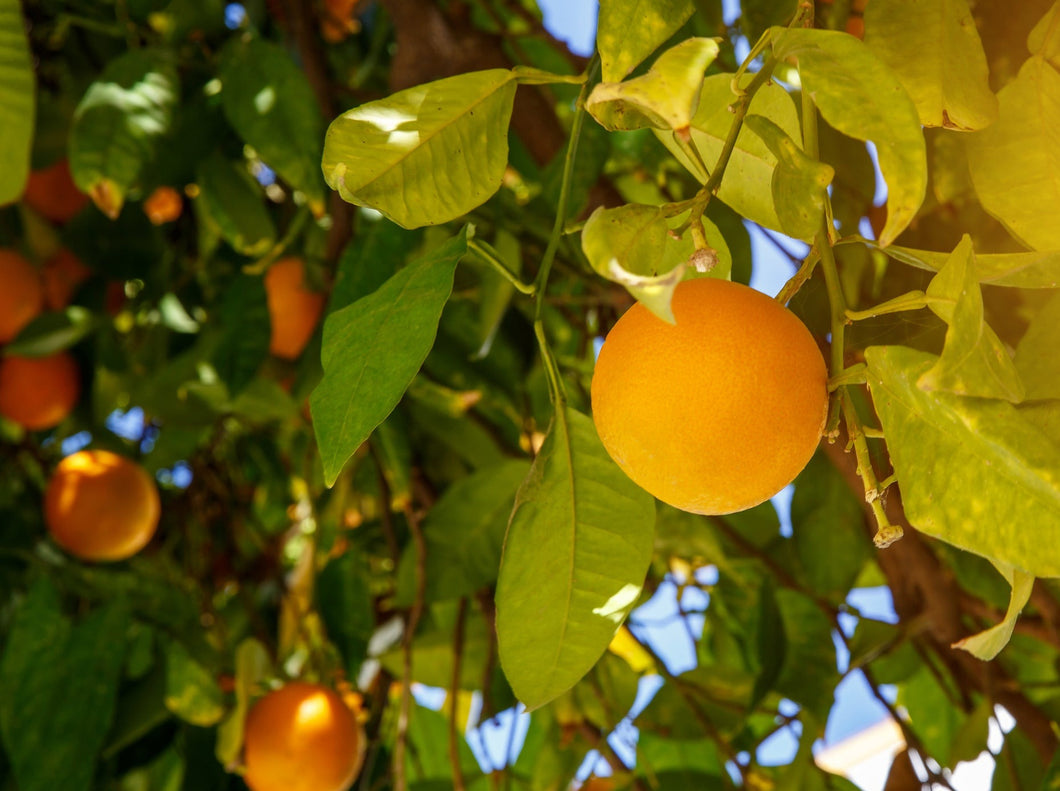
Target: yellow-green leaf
{"points": [[1015, 162], [665, 98], [858, 95], [628, 31], [425, 155], [1017, 270], [973, 472], [577, 549], [934, 49], [18, 103], [988, 644]]}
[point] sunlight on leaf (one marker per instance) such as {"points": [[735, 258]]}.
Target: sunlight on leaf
{"points": [[989, 643], [18, 106], [628, 31]]}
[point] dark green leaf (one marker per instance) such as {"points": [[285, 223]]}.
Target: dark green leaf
{"points": [[233, 202], [53, 332], [345, 601], [244, 342]]}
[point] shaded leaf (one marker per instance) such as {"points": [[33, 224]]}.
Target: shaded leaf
{"points": [[53, 332], [577, 549], [666, 97], [375, 253], [628, 31], [1016, 270], [234, 203], [934, 49], [17, 102], [192, 692], [464, 534], [860, 97], [1015, 162], [746, 186], [974, 362], [799, 184], [425, 155], [244, 343], [1036, 358], [345, 601], [119, 124], [972, 472], [631, 245], [252, 667], [935, 718], [374, 347], [267, 100]]}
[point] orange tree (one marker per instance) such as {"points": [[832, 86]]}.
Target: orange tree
{"points": [[412, 490]]}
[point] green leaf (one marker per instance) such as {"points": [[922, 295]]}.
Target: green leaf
{"points": [[425, 155], [771, 643], [244, 343], [432, 653], [1014, 162], [1016, 270], [998, 472], [577, 549], [234, 203], [826, 523], [192, 692], [628, 31], [58, 684], [1036, 358], [933, 715], [18, 104], [345, 601], [53, 332], [374, 347], [268, 101], [631, 245], [799, 184], [934, 49], [974, 362], [988, 644], [666, 97], [119, 124], [809, 675], [746, 186], [886, 647], [495, 291], [374, 255], [252, 667], [860, 97], [464, 533]]}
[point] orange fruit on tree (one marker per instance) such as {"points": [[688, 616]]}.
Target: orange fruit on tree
{"points": [[101, 506], [38, 392], [163, 205], [21, 294], [51, 192], [62, 274], [301, 737], [718, 412], [294, 309]]}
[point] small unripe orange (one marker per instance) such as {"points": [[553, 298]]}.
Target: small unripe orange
{"points": [[301, 737], [100, 506], [38, 392], [163, 205], [719, 412]]}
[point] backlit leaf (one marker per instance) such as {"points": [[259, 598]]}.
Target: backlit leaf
{"points": [[988, 644], [268, 101], [746, 186], [973, 472], [666, 97], [192, 692], [1036, 358], [120, 123], [374, 347], [859, 96], [628, 31], [1016, 270], [425, 155], [17, 102], [577, 549], [934, 49], [1015, 162]]}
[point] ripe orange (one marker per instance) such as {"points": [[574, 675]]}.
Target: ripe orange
{"points": [[101, 506], [716, 413], [21, 294], [301, 737], [62, 274], [163, 205], [294, 310], [38, 392], [51, 192]]}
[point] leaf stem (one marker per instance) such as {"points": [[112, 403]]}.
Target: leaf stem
{"points": [[489, 254], [540, 284], [912, 300]]}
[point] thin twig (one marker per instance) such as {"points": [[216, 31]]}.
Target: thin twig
{"points": [[400, 746], [454, 692]]}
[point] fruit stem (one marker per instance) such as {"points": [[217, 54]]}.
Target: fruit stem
{"points": [[487, 253], [555, 382], [886, 533]]}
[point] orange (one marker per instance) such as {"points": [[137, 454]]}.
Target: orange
{"points": [[294, 310], [595, 783], [301, 737], [38, 392], [51, 192], [21, 294], [101, 506], [716, 413], [163, 205], [337, 20], [62, 274]]}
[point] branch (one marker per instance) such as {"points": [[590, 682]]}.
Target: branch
{"points": [[454, 691], [400, 781]]}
